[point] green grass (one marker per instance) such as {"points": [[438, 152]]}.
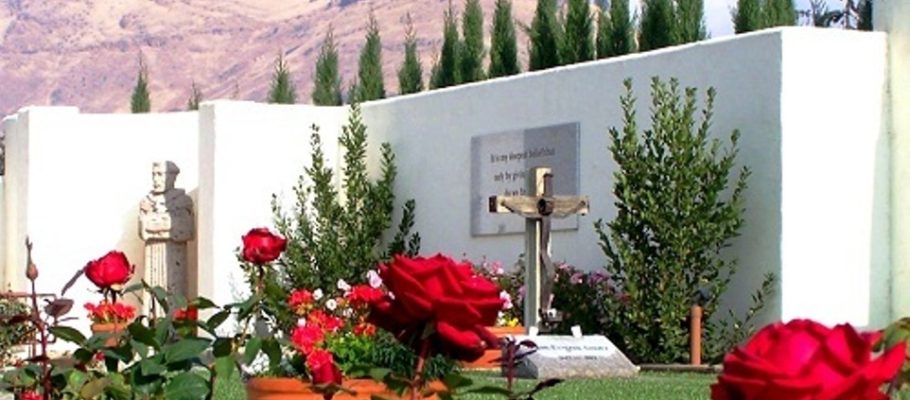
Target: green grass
{"points": [[647, 386]]}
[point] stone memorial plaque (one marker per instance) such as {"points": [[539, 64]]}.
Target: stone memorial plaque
{"points": [[499, 166], [591, 356]]}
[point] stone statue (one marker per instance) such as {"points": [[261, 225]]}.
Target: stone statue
{"points": [[165, 225]]}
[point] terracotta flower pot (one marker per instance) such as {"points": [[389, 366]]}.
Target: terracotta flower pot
{"points": [[489, 359], [296, 389], [116, 330]]}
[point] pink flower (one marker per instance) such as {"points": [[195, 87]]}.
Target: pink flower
{"points": [[506, 300], [375, 279]]}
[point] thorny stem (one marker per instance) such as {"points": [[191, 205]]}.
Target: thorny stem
{"points": [[260, 281], [417, 383]]}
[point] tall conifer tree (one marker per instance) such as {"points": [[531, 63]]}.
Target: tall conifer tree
{"points": [[140, 102], [282, 89], [578, 39], [544, 49], [370, 85], [445, 70], [327, 83], [658, 25], [621, 39], [779, 13], [503, 45], [472, 49], [691, 20], [748, 16], [195, 98], [410, 75], [602, 37]]}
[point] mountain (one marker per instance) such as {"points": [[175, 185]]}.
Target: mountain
{"points": [[85, 53]]}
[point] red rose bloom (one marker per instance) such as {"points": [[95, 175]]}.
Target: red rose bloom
{"points": [[439, 291], [112, 269], [307, 338], [261, 246], [186, 314], [322, 368], [30, 395], [804, 360]]}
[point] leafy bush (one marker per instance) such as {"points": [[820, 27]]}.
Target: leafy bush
{"points": [[676, 211], [12, 333], [583, 298], [337, 235]]}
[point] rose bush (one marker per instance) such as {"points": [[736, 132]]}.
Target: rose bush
{"points": [[804, 360], [446, 295], [261, 246], [110, 270]]}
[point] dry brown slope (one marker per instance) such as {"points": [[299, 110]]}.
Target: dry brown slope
{"points": [[84, 53]]}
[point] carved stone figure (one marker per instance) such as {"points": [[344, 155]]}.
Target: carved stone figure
{"points": [[166, 224]]}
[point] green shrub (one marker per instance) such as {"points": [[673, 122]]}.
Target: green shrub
{"points": [[676, 211], [12, 334]]}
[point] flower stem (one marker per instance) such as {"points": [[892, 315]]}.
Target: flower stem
{"points": [[418, 381]]}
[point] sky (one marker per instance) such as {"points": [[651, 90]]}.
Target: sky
{"points": [[719, 21]]}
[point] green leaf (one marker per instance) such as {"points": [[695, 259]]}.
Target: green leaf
{"points": [[273, 350], [252, 350], [186, 386], [94, 388], [161, 297], [216, 320], [152, 366], [143, 335], [222, 347], [68, 334], [245, 308], [184, 350], [225, 367], [202, 303], [162, 329]]}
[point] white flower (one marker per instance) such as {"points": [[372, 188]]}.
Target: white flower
{"points": [[343, 286], [331, 304], [375, 280], [301, 321], [347, 313], [506, 300], [392, 295], [317, 294]]}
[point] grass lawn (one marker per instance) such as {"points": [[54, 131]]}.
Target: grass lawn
{"points": [[647, 386]]}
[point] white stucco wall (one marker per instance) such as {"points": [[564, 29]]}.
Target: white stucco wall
{"points": [[82, 177], [835, 254], [249, 151]]}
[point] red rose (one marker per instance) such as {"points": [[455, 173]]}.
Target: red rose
{"points": [[804, 360], [30, 395], [112, 269], [440, 291], [322, 368], [261, 246], [186, 314]]}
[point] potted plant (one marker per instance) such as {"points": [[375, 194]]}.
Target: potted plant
{"points": [[110, 273]]}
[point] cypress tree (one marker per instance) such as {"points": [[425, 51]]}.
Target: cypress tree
{"points": [[140, 101], [327, 83], [748, 16], [544, 49], [691, 17], [621, 39], [195, 98], [602, 37], [503, 46], [658, 27], [282, 89], [865, 16], [779, 13], [445, 71], [370, 85], [410, 76], [472, 50], [578, 41]]}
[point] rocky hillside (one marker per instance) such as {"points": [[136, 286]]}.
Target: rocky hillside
{"points": [[84, 52]]}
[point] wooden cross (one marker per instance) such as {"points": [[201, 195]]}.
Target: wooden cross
{"points": [[538, 209]]}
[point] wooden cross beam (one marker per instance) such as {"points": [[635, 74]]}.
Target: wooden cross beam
{"points": [[538, 209]]}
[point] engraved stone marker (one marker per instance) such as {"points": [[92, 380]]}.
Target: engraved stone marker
{"points": [[591, 356], [166, 224], [499, 165]]}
